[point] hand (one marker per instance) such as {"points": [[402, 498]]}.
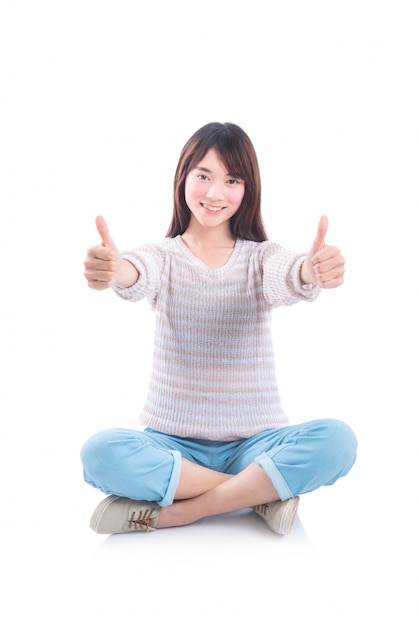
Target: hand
{"points": [[324, 265], [104, 266]]}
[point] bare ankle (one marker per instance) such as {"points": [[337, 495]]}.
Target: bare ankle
{"points": [[180, 513]]}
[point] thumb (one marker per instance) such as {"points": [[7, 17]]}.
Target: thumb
{"points": [[103, 231], [321, 233]]}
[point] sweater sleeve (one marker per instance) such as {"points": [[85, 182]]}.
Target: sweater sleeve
{"points": [[281, 277], [149, 261]]}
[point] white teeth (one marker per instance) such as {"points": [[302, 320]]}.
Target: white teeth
{"points": [[212, 208]]}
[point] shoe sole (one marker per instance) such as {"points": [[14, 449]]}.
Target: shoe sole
{"points": [[288, 514], [98, 513]]}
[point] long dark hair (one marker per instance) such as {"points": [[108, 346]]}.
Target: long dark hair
{"points": [[235, 149]]}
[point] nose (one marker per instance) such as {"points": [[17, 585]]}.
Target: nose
{"points": [[215, 191]]}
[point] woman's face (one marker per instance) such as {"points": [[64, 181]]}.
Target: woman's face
{"points": [[212, 194]]}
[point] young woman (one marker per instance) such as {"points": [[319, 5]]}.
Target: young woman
{"points": [[214, 436]]}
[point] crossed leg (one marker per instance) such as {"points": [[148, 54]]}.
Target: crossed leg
{"points": [[314, 454], [203, 492]]}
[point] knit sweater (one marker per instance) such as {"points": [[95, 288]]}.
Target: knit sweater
{"points": [[213, 374]]}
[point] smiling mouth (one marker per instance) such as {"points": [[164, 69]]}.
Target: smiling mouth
{"points": [[212, 209]]}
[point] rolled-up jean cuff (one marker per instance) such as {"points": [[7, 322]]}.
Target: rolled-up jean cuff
{"points": [[279, 483], [174, 480]]}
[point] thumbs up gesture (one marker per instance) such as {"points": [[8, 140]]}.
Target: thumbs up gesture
{"points": [[104, 266], [324, 265]]}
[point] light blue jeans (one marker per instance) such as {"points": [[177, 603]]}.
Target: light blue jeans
{"points": [[145, 465]]}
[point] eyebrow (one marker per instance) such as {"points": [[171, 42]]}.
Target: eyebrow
{"points": [[206, 169]]}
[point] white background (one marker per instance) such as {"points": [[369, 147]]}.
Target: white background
{"points": [[97, 99]]}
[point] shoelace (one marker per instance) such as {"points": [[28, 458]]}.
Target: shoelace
{"points": [[261, 508], [143, 521]]}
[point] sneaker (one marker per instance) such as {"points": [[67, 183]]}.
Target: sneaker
{"points": [[279, 515], [122, 515]]}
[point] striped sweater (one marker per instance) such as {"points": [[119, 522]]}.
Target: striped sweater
{"points": [[213, 374]]}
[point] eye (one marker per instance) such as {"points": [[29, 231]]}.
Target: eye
{"points": [[202, 177], [234, 181]]}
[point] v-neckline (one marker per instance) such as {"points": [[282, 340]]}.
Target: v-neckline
{"points": [[195, 260]]}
